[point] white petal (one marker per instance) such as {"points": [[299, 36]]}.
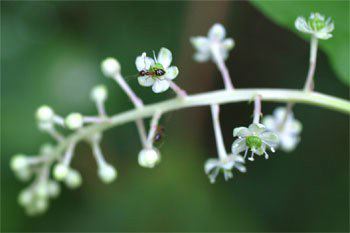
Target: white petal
{"points": [[171, 72], [323, 35], [269, 122], [201, 56], [217, 32], [270, 138], [279, 113], [241, 168], [200, 43], [228, 44], [241, 132], [160, 86], [210, 164], [238, 146], [145, 81], [257, 128], [301, 25], [288, 143], [294, 127], [165, 57], [143, 62]]}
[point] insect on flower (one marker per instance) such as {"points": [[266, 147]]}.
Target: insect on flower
{"points": [[156, 72], [159, 134]]}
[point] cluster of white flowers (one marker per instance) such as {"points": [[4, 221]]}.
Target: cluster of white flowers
{"points": [[281, 130]]}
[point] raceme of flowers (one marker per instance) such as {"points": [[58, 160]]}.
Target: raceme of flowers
{"points": [[52, 164]]}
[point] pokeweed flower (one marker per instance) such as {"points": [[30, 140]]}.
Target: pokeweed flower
{"points": [[156, 72], [213, 46], [149, 158], [213, 166], [254, 138], [316, 25], [285, 126]]}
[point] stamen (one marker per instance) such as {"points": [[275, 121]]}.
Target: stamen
{"points": [[251, 158]]}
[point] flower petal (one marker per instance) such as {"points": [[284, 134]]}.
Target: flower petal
{"points": [[256, 128], [210, 164], [160, 85], [200, 43], [145, 81], [171, 72], [165, 57], [143, 63], [201, 56], [269, 123], [289, 142], [271, 139], [228, 44], [238, 146], [302, 25], [217, 32], [241, 132]]}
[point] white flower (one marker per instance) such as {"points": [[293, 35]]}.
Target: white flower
{"points": [[212, 167], [254, 138], [107, 173], [60, 171], [317, 25], [287, 128], [110, 67], [73, 179], [214, 42], [156, 73], [99, 94], [45, 114], [74, 121], [149, 158]]}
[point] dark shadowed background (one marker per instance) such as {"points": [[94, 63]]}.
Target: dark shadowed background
{"points": [[50, 54]]}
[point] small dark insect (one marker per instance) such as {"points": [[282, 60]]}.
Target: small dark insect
{"points": [[159, 72], [159, 134], [155, 72]]}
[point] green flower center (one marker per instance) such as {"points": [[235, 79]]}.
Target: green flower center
{"points": [[317, 23], [253, 142]]}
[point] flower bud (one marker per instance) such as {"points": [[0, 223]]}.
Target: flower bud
{"points": [[74, 121], [99, 93], [18, 162], [149, 158], [107, 173], [46, 149], [53, 189], [45, 114], [42, 190], [25, 197], [73, 179], [60, 171], [110, 67], [41, 205]]}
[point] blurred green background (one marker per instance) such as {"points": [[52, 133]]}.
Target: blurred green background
{"points": [[50, 54]]}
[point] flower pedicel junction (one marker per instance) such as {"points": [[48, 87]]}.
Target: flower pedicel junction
{"points": [[260, 139]]}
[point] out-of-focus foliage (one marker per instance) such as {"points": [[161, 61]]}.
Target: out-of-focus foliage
{"points": [[337, 48]]}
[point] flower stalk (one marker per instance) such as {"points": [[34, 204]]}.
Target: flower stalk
{"points": [[215, 110], [309, 84]]}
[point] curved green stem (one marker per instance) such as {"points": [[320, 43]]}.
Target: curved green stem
{"points": [[207, 99]]}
